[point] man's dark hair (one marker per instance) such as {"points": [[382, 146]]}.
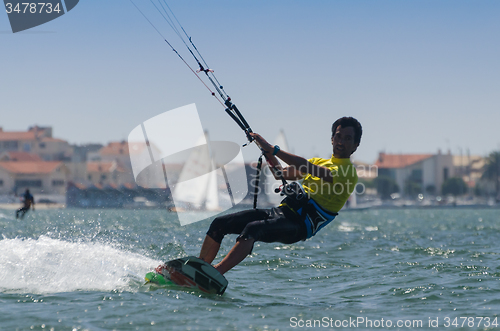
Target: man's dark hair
{"points": [[346, 122]]}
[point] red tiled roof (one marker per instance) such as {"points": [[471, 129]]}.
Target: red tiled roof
{"points": [[21, 156], [35, 167], [47, 139], [77, 185], [13, 135], [128, 185], [103, 167], [123, 148], [100, 166], [116, 148], [399, 160]]}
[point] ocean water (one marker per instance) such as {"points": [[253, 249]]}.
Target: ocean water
{"points": [[394, 269]]}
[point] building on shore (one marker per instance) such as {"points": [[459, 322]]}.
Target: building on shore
{"points": [[112, 196], [470, 168], [48, 177], [416, 173], [33, 159], [37, 140], [108, 173]]}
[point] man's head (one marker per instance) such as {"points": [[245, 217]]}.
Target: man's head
{"points": [[346, 136]]}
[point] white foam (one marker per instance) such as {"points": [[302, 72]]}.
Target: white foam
{"points": [[7, 217], [47, 265], [346, 227]]}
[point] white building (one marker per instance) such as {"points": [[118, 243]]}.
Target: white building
{"points": [[426, 171], [108, 173], [37, 140], [47, 177]]}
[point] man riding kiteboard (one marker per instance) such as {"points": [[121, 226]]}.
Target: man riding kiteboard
{"points": [[326, 184]]}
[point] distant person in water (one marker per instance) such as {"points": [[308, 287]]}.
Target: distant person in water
{"points": [[28, 202]]}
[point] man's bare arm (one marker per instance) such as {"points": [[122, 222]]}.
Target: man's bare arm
{"points": [[298, 166]]}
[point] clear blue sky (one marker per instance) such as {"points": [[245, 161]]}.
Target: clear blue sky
{"points": [[419, 75]]}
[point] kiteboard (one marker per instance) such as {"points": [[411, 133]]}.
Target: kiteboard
{"points": [[190, 272]]}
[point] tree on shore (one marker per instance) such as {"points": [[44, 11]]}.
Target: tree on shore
{"points": [[492, 171], [454, 186], [386, 186], [412, 188]]}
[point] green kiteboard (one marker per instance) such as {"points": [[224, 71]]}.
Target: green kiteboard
{"points": [[190, 272]]}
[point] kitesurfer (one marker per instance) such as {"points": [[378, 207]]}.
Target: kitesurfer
{"points": [[325, 187], [28, 201]]}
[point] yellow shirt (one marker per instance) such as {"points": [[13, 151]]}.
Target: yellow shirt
{"points": [[331, 196]]}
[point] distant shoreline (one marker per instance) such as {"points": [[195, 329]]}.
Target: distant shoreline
{"points": [[44, 206], [47, 206], [403, 207]]}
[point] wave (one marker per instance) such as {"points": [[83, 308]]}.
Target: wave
{"points": [[47, 265]]}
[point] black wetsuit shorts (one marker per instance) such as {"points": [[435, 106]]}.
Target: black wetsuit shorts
{"points": [[267, 225]]}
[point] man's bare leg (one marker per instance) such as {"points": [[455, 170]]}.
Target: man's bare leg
{"points": [[240, 250], [209, 249]]}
